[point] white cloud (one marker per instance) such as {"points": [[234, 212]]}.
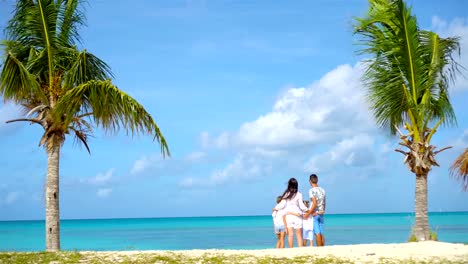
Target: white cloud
{"points": [[385, 148], [330, 109], [244, 167], [145, 163], [104, 192], [461, 142], [222, 141], [156, 165], [195, 156], [265, 153], [100, 178], [190, 182], [355, 151], [456, 27], [12, 197], [8, 112], [330, 115], [205, 140]]}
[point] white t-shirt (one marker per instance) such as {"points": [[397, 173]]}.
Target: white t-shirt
{"points": [[278, 218], [293, 205], [308, 224]]}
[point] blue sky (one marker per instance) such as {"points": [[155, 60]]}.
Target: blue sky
{"points": [[248, 94]]}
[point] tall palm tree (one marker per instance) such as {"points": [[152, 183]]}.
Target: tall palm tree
{"points": [[459, 169], [63, 89], [407, 80]]}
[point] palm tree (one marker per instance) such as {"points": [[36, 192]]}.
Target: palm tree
{"points": [[459, 169], [63, 89], [407, 80]]}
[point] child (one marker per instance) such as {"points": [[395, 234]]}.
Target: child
{"points": [[307, 229], [278, 223]]}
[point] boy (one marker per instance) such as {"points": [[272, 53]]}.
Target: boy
{"points": [[308, 228]]}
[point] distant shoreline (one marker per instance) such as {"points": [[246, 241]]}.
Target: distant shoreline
{"points": [[220, 216]]}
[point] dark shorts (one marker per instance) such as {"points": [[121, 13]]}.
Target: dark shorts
{"points": [[318, 224]]}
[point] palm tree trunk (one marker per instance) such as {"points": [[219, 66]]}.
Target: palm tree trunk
{"points": [[52, 199], [421, 225]]}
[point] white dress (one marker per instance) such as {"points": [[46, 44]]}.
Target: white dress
{"points": [[293, 205]]}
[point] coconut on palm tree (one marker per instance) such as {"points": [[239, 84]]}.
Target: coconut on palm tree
{"points": [[407, 81], [63, 89], [459, 169]]}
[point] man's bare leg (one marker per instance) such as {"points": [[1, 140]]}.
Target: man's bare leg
{"points": [[319, 239]]}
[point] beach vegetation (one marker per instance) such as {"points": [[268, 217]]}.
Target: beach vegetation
{"points": [[176, 258], [65, 90], [407, 80], [40, 257], [412, 238], [433, 236]]}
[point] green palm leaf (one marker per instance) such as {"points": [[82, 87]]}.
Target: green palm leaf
{"points": [[83, 67], [69, 20], [111, 108], [16, 83], [408, 76]]}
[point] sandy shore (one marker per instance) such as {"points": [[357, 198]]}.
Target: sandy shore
{"points": [[356, 253]]}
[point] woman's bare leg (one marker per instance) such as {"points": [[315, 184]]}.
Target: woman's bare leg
{"points": [[278, 240], [290, 237]]}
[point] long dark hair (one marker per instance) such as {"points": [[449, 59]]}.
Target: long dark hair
{"points": [[291, 190]]}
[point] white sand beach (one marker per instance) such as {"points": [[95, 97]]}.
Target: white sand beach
{"points": [[364, 253]]}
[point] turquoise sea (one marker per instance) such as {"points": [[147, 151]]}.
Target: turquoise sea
{"points": [[233, 232]]}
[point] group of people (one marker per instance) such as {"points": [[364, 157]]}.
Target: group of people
{"points": [[292, 215]]}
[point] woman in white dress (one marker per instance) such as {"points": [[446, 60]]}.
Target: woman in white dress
{"points": [[294, 207]]}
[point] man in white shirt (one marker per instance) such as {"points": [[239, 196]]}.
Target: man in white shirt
{"points": [[317, 210]]}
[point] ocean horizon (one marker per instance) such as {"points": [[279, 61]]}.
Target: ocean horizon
{"points": [[220, 232]]}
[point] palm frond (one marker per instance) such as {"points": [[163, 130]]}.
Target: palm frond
{"points": [[459, 169], [409, 52], [385, 76], [407, 76], [70, 18], [81, 136], [16, 83], [36, 109], [83, 67], [34, 23], [111, 108], [438, 54]]}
